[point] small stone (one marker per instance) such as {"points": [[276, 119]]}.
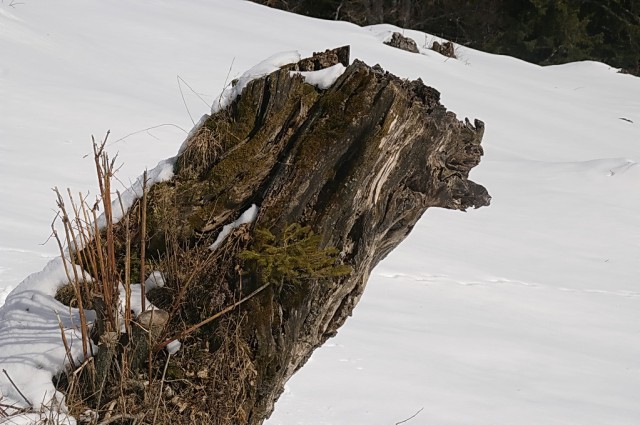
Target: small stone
{"points": [[445, 49], [401, 42], [153, 318]]}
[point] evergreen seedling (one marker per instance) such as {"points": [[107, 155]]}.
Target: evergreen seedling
{"points": [[293, 256]]}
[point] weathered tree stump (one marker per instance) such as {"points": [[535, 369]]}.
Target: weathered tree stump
{"points": [[359, 163]]}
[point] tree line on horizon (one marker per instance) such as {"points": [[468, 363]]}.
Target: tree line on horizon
{"points": [[540, 31]]}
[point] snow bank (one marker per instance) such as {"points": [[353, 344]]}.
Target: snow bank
{"points": [[31, 349]]}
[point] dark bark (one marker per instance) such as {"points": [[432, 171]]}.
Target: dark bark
{"points": [[359, 162]]}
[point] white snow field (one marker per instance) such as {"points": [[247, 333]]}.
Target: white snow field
{"points": [[526, 312]]}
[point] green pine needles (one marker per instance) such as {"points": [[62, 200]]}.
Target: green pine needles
{"points": [[293, 256]]}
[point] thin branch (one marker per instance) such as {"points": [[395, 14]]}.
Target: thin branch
{"points": [[183, 288], [226, 81], [127, 269], [193, 91], [67, 349], [184, 101], [15, 410], [143, 242], [410, 417], [75, 282], [215, 316], [17, 389], [123, 417], [164, 374], [146, 130]]}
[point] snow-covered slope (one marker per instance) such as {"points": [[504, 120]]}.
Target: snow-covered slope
{"points": [[526, 312]]}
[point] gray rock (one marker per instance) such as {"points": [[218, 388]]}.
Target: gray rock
{"points": [[401, 42]]}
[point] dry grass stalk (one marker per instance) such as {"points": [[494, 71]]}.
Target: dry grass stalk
{"points": [[143, 238], [197, 326], [203, 148], [17, 389], [75, 280], [67, 349], [164, 375], [97, 261], [92, 268], [127, 270]]}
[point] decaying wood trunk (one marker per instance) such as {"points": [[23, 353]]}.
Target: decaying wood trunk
{"points": [[359, 162]]}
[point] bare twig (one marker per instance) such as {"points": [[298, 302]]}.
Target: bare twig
{"points": [[75, 281], [60, 247], [17, 389], [98, 248], [15, 410], [215, 316], [122, 417], [183, 288], [146, 130], [143, 236], [164, 374], [184, 101], [410, 417], [127, 269], [226, 81], [180, 79], [67, 349], [89, 235]]}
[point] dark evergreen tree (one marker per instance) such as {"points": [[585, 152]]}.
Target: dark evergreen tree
{"points": [[539, 31]]}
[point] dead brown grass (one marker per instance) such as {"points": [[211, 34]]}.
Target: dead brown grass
{"points": [[205, 382]]}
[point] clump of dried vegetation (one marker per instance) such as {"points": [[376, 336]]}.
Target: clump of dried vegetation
{"points": [[129, 375]]}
